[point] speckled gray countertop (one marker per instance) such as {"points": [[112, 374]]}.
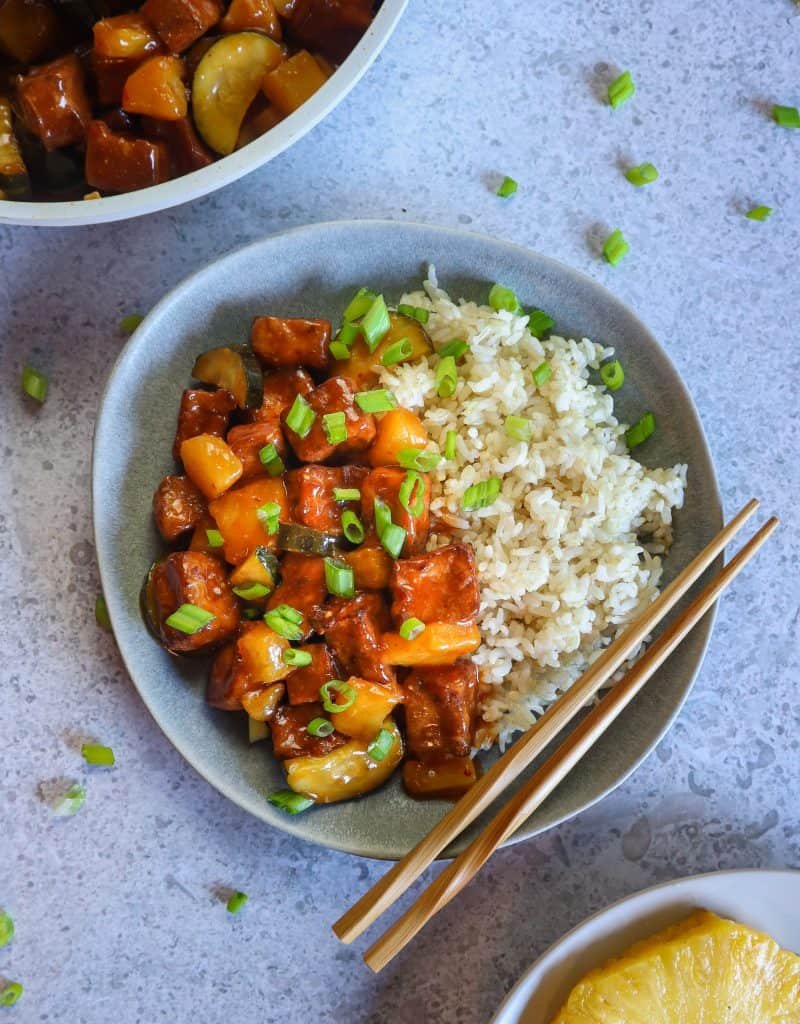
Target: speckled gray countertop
{"points": [[117, 910]]}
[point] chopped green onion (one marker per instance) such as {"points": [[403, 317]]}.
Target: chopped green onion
{"points": [[383, 516], [413, 482], [269, 515], [376, 323], [612, 375], [518, 428], [480, 495], [451, 437], [379, 400], [34, 384], [129, 323], [446, 377], [292, 803], [270, 459], [455, 348], [615, 247], [189, 619], [6, 928], [359, 304], [641, 175], [501, 297], [416, 458], [507, 188], [539, 323], [321, 727], [214, 538], [236, 902], [101, 616], [300, 417], [353, 527], [417, 312], [70, 803], [251, 614], [346, 494], [392, 539], [335, 426], [339, 578], [339, 350], [93, 753], [297, 658], [344, 340], [786, 117], [759, 213], [11, 993], [397, 352], [284, 621], [621, 89], [252, 592], [411, 629], [640, 431], [542, 374], [381, 745], [333, 686], [290, 614]]}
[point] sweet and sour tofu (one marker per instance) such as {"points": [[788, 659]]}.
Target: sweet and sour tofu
{"points": [[311, 495], [441, 705], [335, 397], [284, 343], [385, 483], [353, 629], [178, 507], [202, 412], [438, 586], [198, 579]]}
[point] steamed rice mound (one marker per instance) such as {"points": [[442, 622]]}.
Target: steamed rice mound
{"points": [[571, 550]]}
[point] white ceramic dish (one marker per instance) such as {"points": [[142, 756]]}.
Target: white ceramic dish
{"points": [[229, 168], [767, 900]]}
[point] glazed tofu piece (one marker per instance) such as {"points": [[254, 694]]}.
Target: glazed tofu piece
{"points": [[254, 661], [441, 706], [187, 151], [178, 507], [439, 586], [385, 483], [281, 387], [302, 684], [311, 500], [180, 23], [302, 587], [336, 395], [117, 162], [290, 735], [193, 577], [247, 441], [202, 412], [54, 103], [283, 342], [330, 27], [353, 628]]}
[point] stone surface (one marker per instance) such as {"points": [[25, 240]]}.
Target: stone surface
{"points": [[120, 911]]}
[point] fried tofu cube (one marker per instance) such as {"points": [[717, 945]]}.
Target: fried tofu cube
{"points": [[438, 586], [180, 23], [303, 684], [384, 483], [253, 661], [302, 587], [122, 163], [247, 441], [353, 629], [54, 103], [311, 500], [202, 412], [178, 507], [281, 387], [290, 735], [283, 342], [441, 705], [330, 27], [337, 396], [193, 577]]}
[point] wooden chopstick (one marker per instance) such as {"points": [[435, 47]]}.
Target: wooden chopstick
{"points": [[518, 756], [461, 871]]}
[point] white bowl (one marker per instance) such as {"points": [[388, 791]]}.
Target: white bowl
{"points": [[226, 169]]}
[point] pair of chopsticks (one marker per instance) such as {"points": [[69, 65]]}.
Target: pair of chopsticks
{"points": [[514, 761]]}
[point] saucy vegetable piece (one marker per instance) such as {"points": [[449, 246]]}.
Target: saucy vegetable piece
{"points": [[235, 369], [254, 659], [364, 366], [373, 702], [280, 389], [186, 150], [125, 36], [441, 706], [332, 27], [181, 22], [248, 440], [14, 180], [29, 29], [237, 516], [54, 103], [210, 464], [357, 429], [303, 684], [202, 412], [290, 735], [440, 643], [292, 82], [353, 629], [121, 163], [385, 483], [156, 89], [193, 578], [258, 15], [262, 704], [311, 495], [303, 588], [259, 568], [397, 429], [446, 778], [178, 507], [284, 343], [371, 565], [438, 586]]}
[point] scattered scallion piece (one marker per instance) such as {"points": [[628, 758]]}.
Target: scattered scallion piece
{"points": [[621, 89], [455, 349], [411, 628], [392, 539], [321, 727], [34, 384], [539, 323], [786, 117], [269, 515], [95, 754], [270, 459], [615, 247], [507, 188], [379, 400], [6, 928], [252, 592], [214, 538], [296, 658], [446, 377], [292, 803], [640, 431], [412, 494], [417, 312], [451, 437], [759, 213], [518, 428], [643, 174], [101, 616], [375, 323], [383, 516], [416, 458], [501, 297], [129, 323], [337, 686], [612, 375], [334, 424], [339, 578], [359, 305], [346, 494], [397, 352], [339, 350], [236, 902], [381, 745], [542, 374], [481, 495], [70, 803], [285, 621], [352, 527], [300, 417], [189, 619], [11, 993]]}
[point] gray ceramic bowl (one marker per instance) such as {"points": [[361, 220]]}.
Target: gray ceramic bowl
{"points": [[313, 271]]}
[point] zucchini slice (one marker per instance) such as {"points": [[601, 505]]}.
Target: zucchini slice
{"points": [[235, 369], [14, 180], [148, 605], [307, 541]]}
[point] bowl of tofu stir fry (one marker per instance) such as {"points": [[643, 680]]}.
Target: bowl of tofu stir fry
{"points": [[110, 109], [305, 501]]}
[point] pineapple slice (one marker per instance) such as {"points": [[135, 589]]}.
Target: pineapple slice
{"points": [[704, 970]]}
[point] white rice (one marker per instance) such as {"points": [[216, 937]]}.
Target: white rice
{"points": [[570, 551]]}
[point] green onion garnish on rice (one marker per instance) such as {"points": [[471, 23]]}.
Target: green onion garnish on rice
{"points": [[542, 374], [641, 175], [455, 349], [759, 213], [539, 323], [621, 89], [446, 377], [379, 400], [507, 188], [518, 428], [481, 495], [450, 444], [640, 431], [504, 298], [416, 458], [416, 312], [612, 375], [397, 352], [615, 247]]}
